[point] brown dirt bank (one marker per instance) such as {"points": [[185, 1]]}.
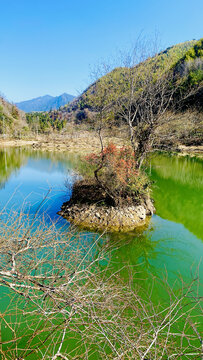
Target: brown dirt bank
{"points": [[84, 143], [191, 150], [13, 142]]}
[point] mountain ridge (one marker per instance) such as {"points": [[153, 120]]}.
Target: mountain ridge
{"points": [[45, 103]]}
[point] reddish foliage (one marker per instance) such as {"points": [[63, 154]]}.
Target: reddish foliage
{"points": [[118, 171]]}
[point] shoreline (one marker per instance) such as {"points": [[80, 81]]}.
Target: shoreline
{"points": [[83, 143], [90, 208], [86, 143], [103, 218], [89, 216]]}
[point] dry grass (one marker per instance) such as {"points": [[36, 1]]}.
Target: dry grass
{"points": [[180, 131], [75, 140]]}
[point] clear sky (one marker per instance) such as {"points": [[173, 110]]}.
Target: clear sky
{"points": [[48, 46]]}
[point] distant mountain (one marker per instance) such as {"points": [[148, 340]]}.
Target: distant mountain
{"points": [[45, 103]]}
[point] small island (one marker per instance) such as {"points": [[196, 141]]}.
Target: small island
{"points": [[115, 196], [89, 208]]}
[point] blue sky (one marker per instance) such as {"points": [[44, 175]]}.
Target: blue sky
{"points": [[48, 46]]}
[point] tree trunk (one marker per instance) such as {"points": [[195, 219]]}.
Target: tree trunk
{"points": [[144, 146]]}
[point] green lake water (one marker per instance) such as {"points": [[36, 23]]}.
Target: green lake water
{"points": [[173, 242]]}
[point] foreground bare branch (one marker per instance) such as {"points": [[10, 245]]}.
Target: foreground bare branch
{"points": [[62, 302]]}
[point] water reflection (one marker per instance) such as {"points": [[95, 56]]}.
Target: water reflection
{"points": [[10, 161], [27, 177], [178, 190], [170, 244]]}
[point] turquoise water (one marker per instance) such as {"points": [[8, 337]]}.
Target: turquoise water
{"points": [[171, 246], [172, 243]]}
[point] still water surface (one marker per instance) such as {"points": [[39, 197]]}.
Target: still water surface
{"points": [[173, 242]]}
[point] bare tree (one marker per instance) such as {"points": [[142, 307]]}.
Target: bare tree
{"points": [[64, 303], [150, 86], [145, 97], [99, 97], [141, 91]]}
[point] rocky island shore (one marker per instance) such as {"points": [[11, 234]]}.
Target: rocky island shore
{"points": [[90, 209]]}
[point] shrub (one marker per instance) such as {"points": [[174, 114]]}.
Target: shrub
{"points": [[80, 116], [14, 112], [115, 169]]}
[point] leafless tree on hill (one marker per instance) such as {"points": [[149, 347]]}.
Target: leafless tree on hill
{"points": [[140, 93]]}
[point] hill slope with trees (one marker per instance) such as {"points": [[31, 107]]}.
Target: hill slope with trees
{"points": [[112, 99], [12, 120], [114, 96]]}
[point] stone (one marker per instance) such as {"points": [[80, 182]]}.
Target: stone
{"points": [[103, 218]]}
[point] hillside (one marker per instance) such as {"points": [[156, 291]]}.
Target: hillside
{"points": [[183, 61], [45, 103], [167, 58], [101, 99], [12, 120]]}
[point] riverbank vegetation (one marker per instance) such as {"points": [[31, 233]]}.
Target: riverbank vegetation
{"points": [[64, 292]]}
